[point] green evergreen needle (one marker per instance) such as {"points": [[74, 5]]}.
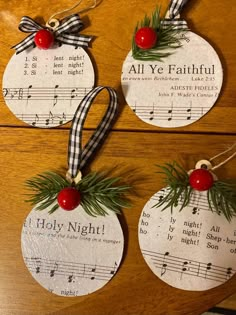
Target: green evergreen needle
{"points": [[98, 192]]}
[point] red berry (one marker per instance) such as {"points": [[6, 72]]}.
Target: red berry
{"points": [[69, 198], [146, 37], [44, 39], [201, 179]]}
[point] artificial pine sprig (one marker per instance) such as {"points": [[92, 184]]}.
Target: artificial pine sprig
{"points": [[222, 198], [97, 192], [168, 38], [221, 195]]}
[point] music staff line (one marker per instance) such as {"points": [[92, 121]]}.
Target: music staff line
{"points": [[45, 119], [197, 203], [169, 113], [208, 271], [69, 269], [45, 93]]}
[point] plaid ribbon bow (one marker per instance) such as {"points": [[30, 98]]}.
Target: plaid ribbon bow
{"points": [[173, 13], [65, 33], [78, 156]]}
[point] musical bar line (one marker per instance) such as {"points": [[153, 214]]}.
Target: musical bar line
{"points": [[70, 270], [184, 266], [170, 112], [54, 93], [45, 120]]}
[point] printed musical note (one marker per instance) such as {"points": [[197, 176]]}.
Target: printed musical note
{"points": [[195, 210], [62, 119], [93, 270], [198, 201], [152, 112], [114, 270], [28, 94], [189, 111], [208, 267], [55, 97], [72, 96], [72, 93], [44, 120], [46, 100], [161, 195], [51, 94], [38, 265], [55, 268], [164, 264], [70, 270], [168, 263], [184, 268], [134, 108], [228, 273], [36, 119], [160, 198], [71, 278], [49, 119], [170, 112]]}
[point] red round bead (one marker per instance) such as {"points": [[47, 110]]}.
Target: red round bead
{"points": [[44, 39], [201, 179], [69, 198], [146, 37]]}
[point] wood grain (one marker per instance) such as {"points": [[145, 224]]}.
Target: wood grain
{"points": [[135, 289], [112, 24], [131, 150], [229, 303]]}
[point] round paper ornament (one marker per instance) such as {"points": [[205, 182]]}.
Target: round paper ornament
{"points": [[183, 235], [173, 79], [71, 253], [72, 242], [49, 73]]}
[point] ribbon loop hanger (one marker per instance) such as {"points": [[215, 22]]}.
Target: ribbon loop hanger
{"points": [[176, 7], [173, 14], [78, 156]]}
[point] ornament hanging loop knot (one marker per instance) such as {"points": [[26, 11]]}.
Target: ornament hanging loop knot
{"points": [[64, 32], [78, 156], [53, 24], [92, 6], [74, 180], [204, 164]]}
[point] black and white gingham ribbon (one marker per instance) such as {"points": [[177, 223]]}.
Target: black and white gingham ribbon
{"points": [[173, 14], [78, 156], [65, 33]]}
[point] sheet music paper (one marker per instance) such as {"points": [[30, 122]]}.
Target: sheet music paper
{"points": [[44, 87], [177, 91], [70, 253], [194, 249]]}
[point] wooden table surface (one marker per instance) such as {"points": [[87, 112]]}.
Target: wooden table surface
{"points": [[132, 149]]}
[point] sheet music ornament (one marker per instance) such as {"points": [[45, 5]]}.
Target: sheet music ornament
{"points": [[221, 195], [73, 253], [64, 32], [170, 71], [183, 235], [42, 85]]}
